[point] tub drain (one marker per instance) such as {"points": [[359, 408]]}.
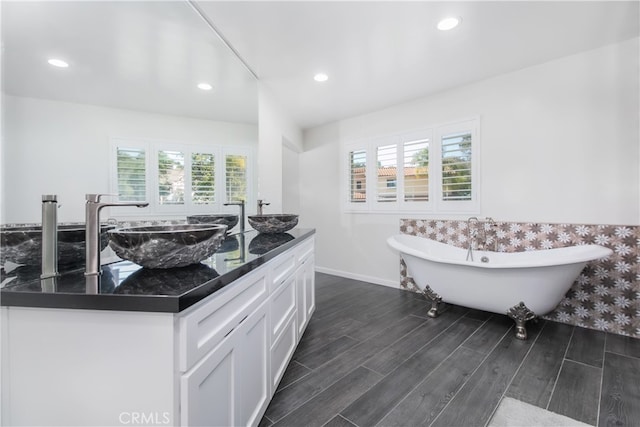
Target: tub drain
{"points": [[484, 259]]}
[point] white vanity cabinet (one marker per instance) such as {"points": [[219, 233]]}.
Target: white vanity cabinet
{"points": [[237, 347], [224, 356], [229, 386], [216, 363]]}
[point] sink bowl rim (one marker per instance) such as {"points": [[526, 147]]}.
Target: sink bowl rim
{"points": [[170, 229], [273, 216]]}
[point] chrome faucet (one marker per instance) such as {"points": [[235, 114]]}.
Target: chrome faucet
{"points": [[491, 226], [241, 204], [261, 203], [92, 231], [49, 237], [472, 236]]}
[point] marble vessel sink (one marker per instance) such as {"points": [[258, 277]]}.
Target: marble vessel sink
{"points": [[230, 220], [273, 223], [22, 244], [167, 246]]}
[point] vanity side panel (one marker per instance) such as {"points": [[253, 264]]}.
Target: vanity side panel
{"points": [[87, 367]]}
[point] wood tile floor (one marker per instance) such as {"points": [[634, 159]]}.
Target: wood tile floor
{"points": [[370, 356]]}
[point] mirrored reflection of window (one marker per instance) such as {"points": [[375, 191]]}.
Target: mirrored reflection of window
{"points": [[203, 178], [170, 177], [131, 165], [236, 177]]}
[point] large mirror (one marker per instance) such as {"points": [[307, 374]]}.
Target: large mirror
{"points": [[133, 73]]}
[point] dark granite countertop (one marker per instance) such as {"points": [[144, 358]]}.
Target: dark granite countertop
{"points": [[127, 286]]}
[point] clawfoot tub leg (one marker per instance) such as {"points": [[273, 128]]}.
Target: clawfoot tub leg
{"points": [[521, 313], [435, 300]]}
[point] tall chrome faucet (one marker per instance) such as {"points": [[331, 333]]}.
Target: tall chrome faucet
{"points": [[261, 203], [93, 207], [241, 204], [472, 236], [49, 238]]}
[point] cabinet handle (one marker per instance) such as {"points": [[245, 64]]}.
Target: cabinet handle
{"points": [[232, 329]]}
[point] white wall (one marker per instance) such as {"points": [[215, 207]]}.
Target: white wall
{"points": [[560, 143], [275, 125], [62, 148]]}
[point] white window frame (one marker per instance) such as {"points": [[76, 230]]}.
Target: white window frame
{"points": [[152, 147], [435, 204]]}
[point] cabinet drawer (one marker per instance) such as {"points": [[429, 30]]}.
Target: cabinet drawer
{"points": [[305, 249], [283, 303], [283, 266], [282, 350], [204, 328]]}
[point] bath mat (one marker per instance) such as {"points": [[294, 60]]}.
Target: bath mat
{"points": [[514, 413]]}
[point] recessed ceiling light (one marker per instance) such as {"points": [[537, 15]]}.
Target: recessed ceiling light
{"points": [[447, 24], [58, 63], [321, 77], [205, 86]]}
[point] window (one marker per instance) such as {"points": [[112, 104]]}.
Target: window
{"points": [[434, 169], [236, 177], [357, 176], [456, 166], [203, 178], [131, 167], [387, 161], [170, 178], [180, 178], [416, 170]]}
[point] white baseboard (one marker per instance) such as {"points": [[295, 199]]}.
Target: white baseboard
{"points": [[361, 277]]}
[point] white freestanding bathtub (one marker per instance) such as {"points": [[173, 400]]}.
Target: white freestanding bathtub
{"points": [[522, 285]]}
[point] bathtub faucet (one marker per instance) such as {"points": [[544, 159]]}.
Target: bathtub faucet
{"points": [[472, 236], [490, 226]]}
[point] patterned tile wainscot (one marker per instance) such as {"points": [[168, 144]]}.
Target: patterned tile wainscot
{"points": [[606, 295]]}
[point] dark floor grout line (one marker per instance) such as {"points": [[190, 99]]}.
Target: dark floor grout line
{"points": [[293, 382], [604, 353], [619, 354], [347, 419], [438, 365], [533, 344], [323, 389], [268, 419], [564, 357], [582, 363], [498, 341]]}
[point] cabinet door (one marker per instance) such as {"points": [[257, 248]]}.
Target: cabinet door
{"points": [[305, 288], [209, 393], [310, 286], [252, 344]]}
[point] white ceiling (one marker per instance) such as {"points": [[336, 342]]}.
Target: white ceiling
{"points": [[149, 55], [378, 54], [146, 56]]}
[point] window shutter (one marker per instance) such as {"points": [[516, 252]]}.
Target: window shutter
{"points": [[456, 166], [358, 176], [203, 178], [416, 170], [387, 176], [131, 165], [170, 177], [236, 177]]}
